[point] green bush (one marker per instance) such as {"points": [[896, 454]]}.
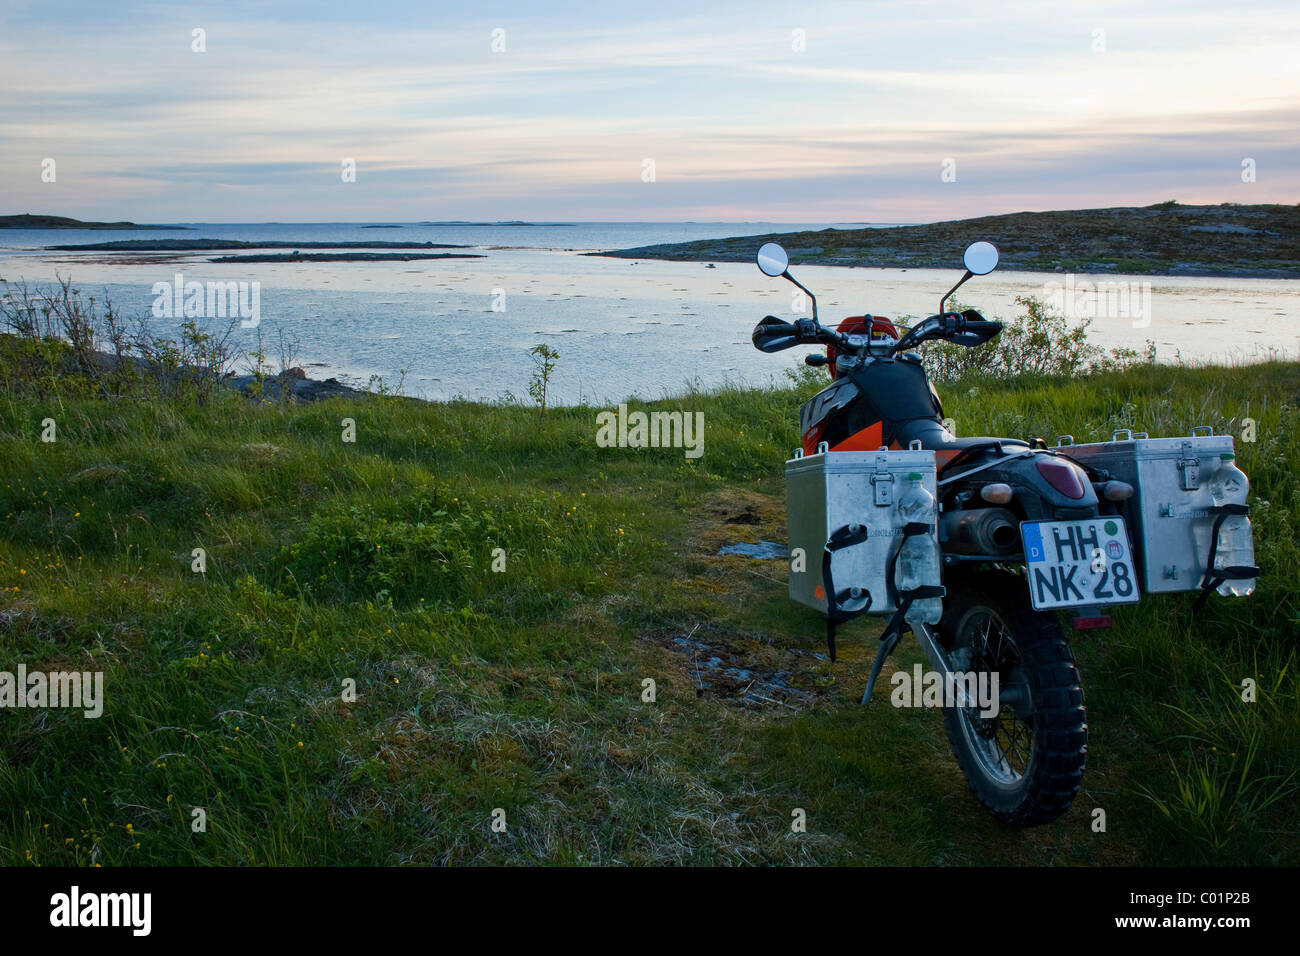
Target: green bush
{"points": [[354, 554], [1041, 341]]}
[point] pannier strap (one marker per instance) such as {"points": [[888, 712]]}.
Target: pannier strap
{"points": [[841, 605], [910, 530], [1216, 576], [902, 600]]}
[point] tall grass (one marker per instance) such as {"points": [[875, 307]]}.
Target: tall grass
{"points": [[373, 565]]}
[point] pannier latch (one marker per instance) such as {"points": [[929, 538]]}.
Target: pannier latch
{"points": [[1190, 468], [882, 485]]}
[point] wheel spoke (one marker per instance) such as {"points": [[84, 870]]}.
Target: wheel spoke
{"points": [[1001, 753], [1009, 750], [1005, 742]]}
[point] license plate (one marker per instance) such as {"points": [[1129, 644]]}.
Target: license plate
{"points": [[1079, 563]]}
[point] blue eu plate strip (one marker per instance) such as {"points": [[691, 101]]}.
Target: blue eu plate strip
{"points": [[1033, 538]]}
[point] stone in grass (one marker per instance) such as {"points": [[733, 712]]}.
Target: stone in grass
{"points": [[261, 451], [97, 474], [764, 550]]}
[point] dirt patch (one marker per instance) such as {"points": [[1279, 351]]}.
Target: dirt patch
{"points": [[17, 618], [746, 516], [733, 656], [749, 672], [734, 516]]}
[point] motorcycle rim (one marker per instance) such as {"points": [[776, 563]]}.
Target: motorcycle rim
{"points": [[1003, 745]]}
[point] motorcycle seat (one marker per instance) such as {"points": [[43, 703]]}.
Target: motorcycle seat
{"points": [[934, 437], [961, 444]]}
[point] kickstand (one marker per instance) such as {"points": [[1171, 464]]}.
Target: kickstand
{"points": [[830, 637], [888, 641], [887, 644]]}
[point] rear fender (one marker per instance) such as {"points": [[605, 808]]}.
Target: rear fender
{"points": [[1034, 496]]}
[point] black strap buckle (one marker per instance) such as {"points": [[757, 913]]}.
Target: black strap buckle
{"points": [[842, 605]]}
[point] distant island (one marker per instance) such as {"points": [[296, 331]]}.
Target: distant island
{"points": [[207, 245], [28, 221], [348, 257], [465, 222], [1168, 238]]}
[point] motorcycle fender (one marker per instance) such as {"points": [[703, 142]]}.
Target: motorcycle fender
{"points": [[1037, 499]]}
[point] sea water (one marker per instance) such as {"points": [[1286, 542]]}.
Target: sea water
{"points": [[624, 328]]}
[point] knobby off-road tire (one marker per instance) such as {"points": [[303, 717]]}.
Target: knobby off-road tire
{"points": [[1026, 764]]}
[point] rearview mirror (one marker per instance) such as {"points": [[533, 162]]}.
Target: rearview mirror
{"points": [[980, 258], [773, 260]]}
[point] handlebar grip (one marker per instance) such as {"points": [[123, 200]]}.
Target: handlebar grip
{"points": [[807, 330]]}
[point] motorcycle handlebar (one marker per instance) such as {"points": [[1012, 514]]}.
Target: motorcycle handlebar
{"points": [[951, 325], [832, 337], [812, 333]]}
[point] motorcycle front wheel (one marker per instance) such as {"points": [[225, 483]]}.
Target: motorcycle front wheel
{"points": [[1025, 764]]}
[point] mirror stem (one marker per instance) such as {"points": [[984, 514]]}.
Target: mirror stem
{"points": [[804, 290], [948, 295]]}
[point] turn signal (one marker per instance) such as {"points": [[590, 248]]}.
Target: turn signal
{"points": [[998, 493], [1117, 491]]}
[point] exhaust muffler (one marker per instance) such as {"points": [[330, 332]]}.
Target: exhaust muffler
{"points": [[981, 531]]}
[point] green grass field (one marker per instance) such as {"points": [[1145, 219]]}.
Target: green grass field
{"points": [[334, 565]]}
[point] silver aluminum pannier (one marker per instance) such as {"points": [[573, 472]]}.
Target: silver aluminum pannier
{"points": [[846, 529], [1175, 522]]}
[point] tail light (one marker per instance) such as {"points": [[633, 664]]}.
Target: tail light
{"points": [[1062, 476]]}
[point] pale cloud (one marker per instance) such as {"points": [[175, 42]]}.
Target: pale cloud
{"points": [[738, 123]]}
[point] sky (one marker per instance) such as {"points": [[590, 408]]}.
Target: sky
{"points": [[755, 111]]}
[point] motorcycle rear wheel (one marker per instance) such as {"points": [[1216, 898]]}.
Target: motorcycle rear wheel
{"points": [[1026, 763]]}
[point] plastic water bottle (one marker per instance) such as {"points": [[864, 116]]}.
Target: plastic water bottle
{"points": [[1230, 486], [918, 561]]}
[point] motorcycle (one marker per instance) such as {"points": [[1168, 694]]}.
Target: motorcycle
{"points": [[1018, 532]]}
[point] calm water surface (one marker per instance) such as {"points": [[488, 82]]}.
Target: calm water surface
{"points": [[623, 328]]}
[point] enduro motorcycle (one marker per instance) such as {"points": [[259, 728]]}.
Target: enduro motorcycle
{"points": [[1003, 507]]}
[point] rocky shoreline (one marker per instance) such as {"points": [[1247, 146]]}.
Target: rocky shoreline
{"points": [[294, 383], [290, 384], [1165, 239], [28, 221]]}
